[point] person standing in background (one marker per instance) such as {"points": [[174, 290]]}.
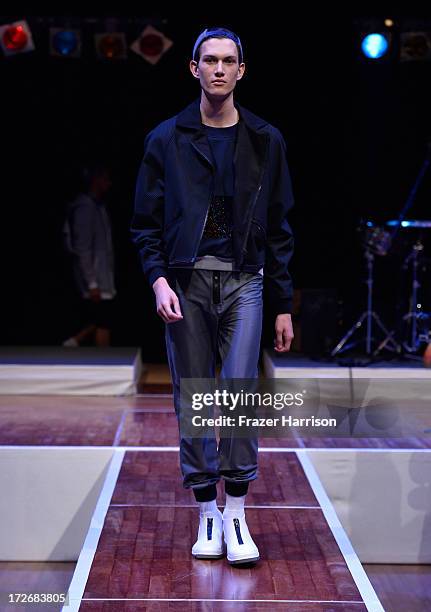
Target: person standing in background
{"points": [[88, 240]]}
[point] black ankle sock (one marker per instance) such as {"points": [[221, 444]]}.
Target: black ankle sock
{"points": [[206, 493], [236, 489]]}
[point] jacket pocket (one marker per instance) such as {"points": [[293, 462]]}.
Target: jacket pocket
{"points": [[259, 229], [256, 243]]}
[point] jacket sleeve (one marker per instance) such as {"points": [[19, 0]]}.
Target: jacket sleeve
{"points": [[82, 223], [147, 222], [279, 249]]}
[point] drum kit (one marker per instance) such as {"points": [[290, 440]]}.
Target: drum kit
{"points": [[414, 328], [416, 324]]}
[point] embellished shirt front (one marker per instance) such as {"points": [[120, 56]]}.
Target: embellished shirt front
{"points": [[217, 235]]}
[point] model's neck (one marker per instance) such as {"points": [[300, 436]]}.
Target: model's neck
{"points": [[218, 113]]}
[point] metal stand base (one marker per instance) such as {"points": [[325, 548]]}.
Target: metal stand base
{"points": [[368, 315]]}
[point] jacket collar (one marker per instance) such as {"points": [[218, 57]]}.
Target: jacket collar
{"points": [[190, 117]]}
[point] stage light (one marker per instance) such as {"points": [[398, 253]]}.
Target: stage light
{"points": [[374, 45], [111, 45], [151, 44], [16, 38], [415, 46], [65, 43]]}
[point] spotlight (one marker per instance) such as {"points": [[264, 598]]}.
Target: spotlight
{"points": [[415, 46], [151, 44], [374, 45], [65, 43], [111, 45], [16, 38]]}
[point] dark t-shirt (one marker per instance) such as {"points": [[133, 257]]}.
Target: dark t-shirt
{"points": [[217, 235]]}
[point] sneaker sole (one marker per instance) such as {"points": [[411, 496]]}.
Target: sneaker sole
{"points": [[214, 556], [247, 560]]}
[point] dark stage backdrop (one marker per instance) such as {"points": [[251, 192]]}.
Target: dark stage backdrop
{"points": [[355, 132]]}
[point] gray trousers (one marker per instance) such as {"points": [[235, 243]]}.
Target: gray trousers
{"points": [[222, 311]]}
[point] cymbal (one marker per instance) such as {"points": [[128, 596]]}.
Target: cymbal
{"points": [[425, 223]]}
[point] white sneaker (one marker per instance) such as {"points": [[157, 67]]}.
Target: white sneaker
{"points": [[240, 545], [209, 544]]}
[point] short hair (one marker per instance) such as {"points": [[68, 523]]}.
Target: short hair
{"points": [[90, 170], [216, 33]]}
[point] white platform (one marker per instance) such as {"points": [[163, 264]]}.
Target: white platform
{"points": [[291, 365], [382, 500], [48, 500], [69, 371]]}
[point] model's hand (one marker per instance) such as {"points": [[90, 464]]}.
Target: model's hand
{"points": [[283, 333], [168, 305]]}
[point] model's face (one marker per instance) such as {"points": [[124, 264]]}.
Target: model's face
{"points": [[218, 69]]}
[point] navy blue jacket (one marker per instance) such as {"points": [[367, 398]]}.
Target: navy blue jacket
{"points": [[174, 187]]}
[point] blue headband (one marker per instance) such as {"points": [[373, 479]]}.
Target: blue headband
{"points": [[217, 33]]}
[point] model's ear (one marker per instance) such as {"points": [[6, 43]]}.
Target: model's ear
{"points": [[194, 68], [241, 70]]}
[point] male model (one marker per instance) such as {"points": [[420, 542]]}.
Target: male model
{"points": [[212, 197]]}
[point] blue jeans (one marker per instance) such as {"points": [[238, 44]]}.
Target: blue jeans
{"points": [[222, 311]]}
